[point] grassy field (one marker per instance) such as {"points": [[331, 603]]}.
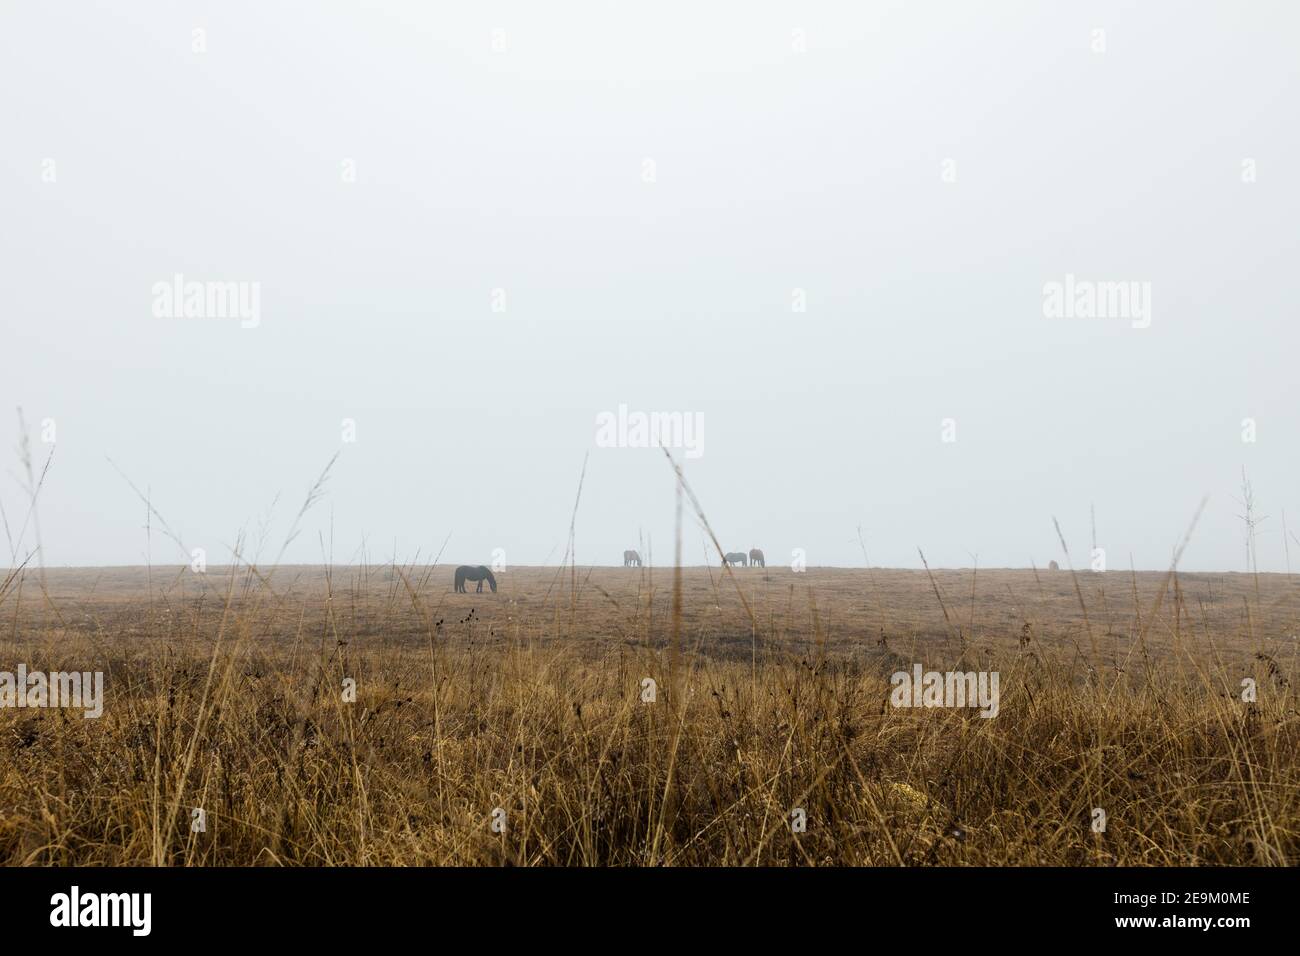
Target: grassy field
{"points": [[515, 728]]}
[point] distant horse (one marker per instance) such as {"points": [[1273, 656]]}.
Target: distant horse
{"points": [[756, 559], [631, 559], [480, 574], [734, 558]]}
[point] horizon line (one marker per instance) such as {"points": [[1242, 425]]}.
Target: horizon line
{"points": [[211, 568]]}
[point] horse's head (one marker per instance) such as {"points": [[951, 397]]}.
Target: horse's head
{"points": [[491, 580]]}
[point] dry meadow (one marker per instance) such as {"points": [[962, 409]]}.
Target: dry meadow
{"points": [[625, 716]]}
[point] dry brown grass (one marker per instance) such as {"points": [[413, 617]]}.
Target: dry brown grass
{"points": [[224, 692]]}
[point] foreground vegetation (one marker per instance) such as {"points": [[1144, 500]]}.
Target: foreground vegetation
{"points": [[491, 730]]}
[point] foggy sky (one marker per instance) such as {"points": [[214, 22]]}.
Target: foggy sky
{"points": [[919, 170]]}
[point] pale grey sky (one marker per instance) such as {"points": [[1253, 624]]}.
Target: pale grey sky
{"points": [[793, 146]]}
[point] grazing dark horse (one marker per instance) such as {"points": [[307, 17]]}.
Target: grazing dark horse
{"points": [[756, 559], [480, 574], [734, 558], [631, 559]]}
